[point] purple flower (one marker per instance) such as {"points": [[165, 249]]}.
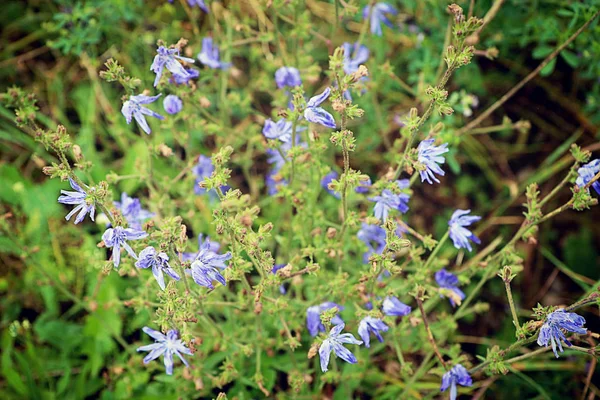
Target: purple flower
{"points": [[133, 107], [281, 130], [372, 325], [555, 322], [209, 55], [314, 113], [393, 307], [167, 58], [199, 3], [287, 76], [458, 233], [132, 210], [159, 263], [80, 198], [448, 280], [389, 200], [430, 156], [276, 268], [117, 237], [201, 171], [335, 342], [166, 345], [273, 181], [378, 16], [354, 55], [586, 173], [213, 246], [172, 104], [364, 186], [193, 73], [313, 317], [206, 265], [327, 180], [374, 236], [457, 375]]}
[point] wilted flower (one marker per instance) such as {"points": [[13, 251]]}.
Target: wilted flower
{"points": [[117, 237], [172, 104], [457, 375], [159, 263], [327, 180], [389, 200], [132, 210], [378, 16], [430, 156], [166, 345], [335, 342], [313, 317], [193, 73], [363, 186], [314, 113], [372, 325], [281, 130], [587, 172], [206, 265], [209, 55], [80, 198], [287, 76], [552, 332], [133, 107], [458, 233], [448, 280], [374, 236], [393, 307], [167, 58]]}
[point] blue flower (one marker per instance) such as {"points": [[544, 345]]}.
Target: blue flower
{"points": [[212, 246], [80, 198], [273, 181], [205, 267], [132, 210], [117, 237], [374, 236], [167, 58], [276, 268], [313, 317], [166, 345], [276, 159], [430, 156], [193, 73], [458, 233], [363, 186], [457, 375], [354, 56], [133, 107], [159, 263], [327, 180], [378, 16], [389, 200], [199, 3], [551, 330], [448, 280], [393, 307], [335, 342], [586, 173], [281, 130], [209, 55], [316, 114], [372, 325], [202, 170], [287, 76], [172, 104]]}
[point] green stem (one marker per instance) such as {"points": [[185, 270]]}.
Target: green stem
{"points": [[511, 303], [436, 250]]}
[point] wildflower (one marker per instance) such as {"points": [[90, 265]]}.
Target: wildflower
{"points": [[374, 236], [273, 181], [457, 375], [167, 58], [159, 263], [552, 332], [192, 73], [430, 156], [287, 76], [354, 55], [203, 170], [281, 130], [212, 246], [132, 210], [327, 180], [133, 107], [209, 55], [205, 267], [448, 280], [378, 16], [586, 173], [393, 307], [458, 233], [364, 186], [316, 114], [389, 200], [199, 3], [166, 345], [275, 157], [276, 268], [313, 317], [372, 325], [335, 342], [172, 104], [85, 204], [117, 237]]}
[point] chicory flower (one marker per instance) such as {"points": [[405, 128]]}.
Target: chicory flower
{"points": [[166, 346], [85, 204], [335, 342], [133, 108], [458, 233]]}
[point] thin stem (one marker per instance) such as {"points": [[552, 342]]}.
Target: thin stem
{"points": [[436, 249], [511, 303], [430, 334]]}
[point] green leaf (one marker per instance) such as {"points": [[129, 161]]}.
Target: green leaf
{"points": [[548, 69]]}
